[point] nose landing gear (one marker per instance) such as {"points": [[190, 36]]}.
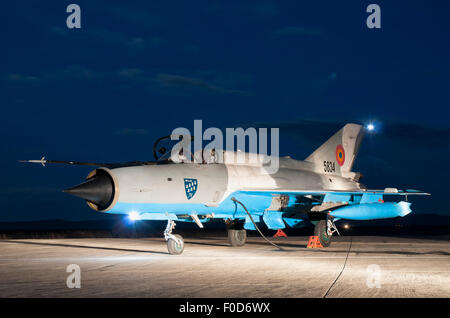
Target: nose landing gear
{"points": [[175, 242], [324, 230]]}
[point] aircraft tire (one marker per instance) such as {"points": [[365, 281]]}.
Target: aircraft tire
{"points": [[175, 248], [320, 230], [237, 237]]}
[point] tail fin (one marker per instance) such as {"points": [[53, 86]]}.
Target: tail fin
{"points": [[338, 153]]}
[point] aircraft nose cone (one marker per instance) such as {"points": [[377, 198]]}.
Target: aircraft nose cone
{"points": [[98, 190]]}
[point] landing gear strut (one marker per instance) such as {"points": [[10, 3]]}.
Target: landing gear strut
{"points": [[175, 243], [324, 230]]}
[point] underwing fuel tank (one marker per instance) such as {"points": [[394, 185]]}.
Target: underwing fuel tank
{"points": [[370, 211]]}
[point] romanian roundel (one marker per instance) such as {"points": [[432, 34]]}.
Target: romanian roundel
{"points": [[340, 155]]}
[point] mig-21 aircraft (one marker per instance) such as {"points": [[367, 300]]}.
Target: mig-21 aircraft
{"points": [[322, 189]]}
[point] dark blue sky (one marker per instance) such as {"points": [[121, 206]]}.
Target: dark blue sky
{"points": [[135, 71]]}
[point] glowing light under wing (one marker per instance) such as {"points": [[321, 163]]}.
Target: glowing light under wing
{"points": [[134, 216]]}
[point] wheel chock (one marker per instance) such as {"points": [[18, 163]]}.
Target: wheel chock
{"points": [[314, 242], [280, 233]]}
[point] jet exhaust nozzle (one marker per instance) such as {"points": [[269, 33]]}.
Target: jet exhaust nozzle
{"points": [[98, 189]]}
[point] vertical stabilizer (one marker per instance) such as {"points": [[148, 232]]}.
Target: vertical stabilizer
{"points": [[338, 153]]}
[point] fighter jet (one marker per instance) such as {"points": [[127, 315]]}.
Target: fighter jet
{"points": [[322, 189]]}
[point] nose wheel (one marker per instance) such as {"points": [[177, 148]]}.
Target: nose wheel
{"points": [[175, 245], [324, 230], [175, 242]]}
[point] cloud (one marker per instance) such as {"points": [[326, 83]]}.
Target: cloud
{"points": [[21, 78], [140, 43], [77, 72], [392, 132], [265, 9], [196, 82], [292, 31], [133, 43], [130, 73], [418, 135], [134, 15], [110, 36], [102, 34], [307, 130], [59, 31], [71, 72], [132, 132], [185, 82], [256, 10]]}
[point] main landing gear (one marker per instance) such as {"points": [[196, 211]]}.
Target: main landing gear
{"points": [[324, 230], [175, 242], [237, 236]]}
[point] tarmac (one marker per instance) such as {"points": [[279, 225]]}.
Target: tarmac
{"points": [[360, 266]]}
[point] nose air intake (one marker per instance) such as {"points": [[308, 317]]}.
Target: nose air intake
{"points": [[98, 190]]}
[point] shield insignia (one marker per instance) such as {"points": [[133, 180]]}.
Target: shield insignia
{"points": [[190, 187]]}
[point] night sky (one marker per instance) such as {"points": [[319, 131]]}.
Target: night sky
{"points": [[136, 71]]}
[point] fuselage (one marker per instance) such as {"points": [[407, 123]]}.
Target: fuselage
{"points": [[160, 191]]}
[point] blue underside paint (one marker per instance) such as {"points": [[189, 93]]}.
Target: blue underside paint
{"points": [[255, 205], [364, 207], [158, 216], [248, 225], [336, 197], [273, 220], [371, 198]]}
